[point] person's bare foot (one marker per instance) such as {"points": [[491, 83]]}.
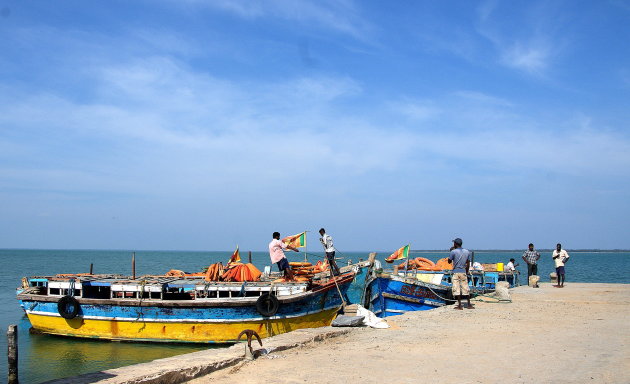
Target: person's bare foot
{"points": [[470, 306], [458, 307]]}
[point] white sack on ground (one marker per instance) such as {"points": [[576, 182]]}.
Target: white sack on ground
{"points": [[370, 318]]}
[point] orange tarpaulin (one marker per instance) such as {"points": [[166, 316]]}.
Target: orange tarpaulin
{"points": [[214, 272], [241, 272]]}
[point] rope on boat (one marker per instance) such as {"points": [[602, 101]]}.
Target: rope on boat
{"points": [[436, 294], [504, 301], [322, 257], [141, 297], [343, 301]]}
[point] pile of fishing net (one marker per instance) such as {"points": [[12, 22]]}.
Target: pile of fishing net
{"points": [[308, 270], [443, 264], [304, 271], [175, 272], [180, 273]]}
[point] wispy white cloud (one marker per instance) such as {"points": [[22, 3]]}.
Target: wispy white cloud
{"points": [[417, 110], [167, 117], [341, 16], [485, 9], [168, 42], [494, 135], [532, 58], [533, 46], [482, 98], [141, 122], [453, 40]]}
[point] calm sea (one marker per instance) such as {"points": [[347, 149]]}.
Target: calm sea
{"points": [[43, 357]]}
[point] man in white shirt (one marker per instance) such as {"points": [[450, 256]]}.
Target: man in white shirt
{"points": [[329, 248], [510, 267], [560, 257]]}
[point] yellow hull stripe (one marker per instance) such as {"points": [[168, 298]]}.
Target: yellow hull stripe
{"points": [[178, 332]]}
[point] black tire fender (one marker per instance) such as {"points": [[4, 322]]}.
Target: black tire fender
{"points": [[68, 307], [267, 305]]}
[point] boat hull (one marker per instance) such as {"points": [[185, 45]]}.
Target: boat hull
{"points": [[174, 331], [391, 295], [196, 321]]}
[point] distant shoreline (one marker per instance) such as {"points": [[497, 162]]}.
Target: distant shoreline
{"points": [[311, 251], [523, 250]]}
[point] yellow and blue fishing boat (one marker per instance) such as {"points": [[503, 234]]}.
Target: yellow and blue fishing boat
{"points": [[176, 308]]}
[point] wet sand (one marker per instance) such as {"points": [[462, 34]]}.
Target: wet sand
{"points": [[576, 334]]}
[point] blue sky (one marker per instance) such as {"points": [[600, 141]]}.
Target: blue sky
{"points": [[200, 125]]}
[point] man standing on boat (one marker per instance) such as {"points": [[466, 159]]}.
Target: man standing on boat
{"points": [[330, 250], [276, 252], [531, 258], [560, 256], [460, 258]]}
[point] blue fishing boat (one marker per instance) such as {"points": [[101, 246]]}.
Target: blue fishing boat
{"points": [[419, 288], [355, 290], [390, 295], [177, 309]]}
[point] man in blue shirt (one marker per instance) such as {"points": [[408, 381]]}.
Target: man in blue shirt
{"points": [[460, 258]]}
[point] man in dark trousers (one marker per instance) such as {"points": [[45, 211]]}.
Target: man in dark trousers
{"points": [[531, 258], [460, 258], [276, 253], [329, 248]]}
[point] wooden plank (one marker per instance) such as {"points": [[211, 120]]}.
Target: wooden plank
{"points": [[12, 342]]}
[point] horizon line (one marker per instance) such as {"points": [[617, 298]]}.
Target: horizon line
{"points": [[354, 251]]}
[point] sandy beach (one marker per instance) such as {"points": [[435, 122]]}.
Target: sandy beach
{"points": [[576, 334]]}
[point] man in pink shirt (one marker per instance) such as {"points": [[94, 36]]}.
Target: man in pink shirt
{"points": [[276, 252]]}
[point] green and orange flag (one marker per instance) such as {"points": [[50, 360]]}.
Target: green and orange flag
{"points": [[295, 241], [236, 256], [401, 253]]}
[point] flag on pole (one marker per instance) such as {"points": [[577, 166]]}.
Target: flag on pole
{"points": [[295, 241], [401, 253], [236, 256]]}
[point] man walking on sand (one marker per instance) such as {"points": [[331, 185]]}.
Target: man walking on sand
{"points": [[330, 250], [531, 258], [460, 258], [560, 257], [276, 252]]}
